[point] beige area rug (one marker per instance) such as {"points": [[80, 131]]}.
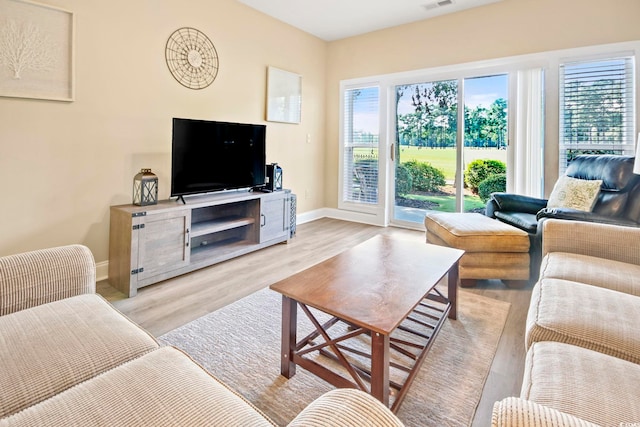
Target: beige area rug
{"points": [[240, 345]]}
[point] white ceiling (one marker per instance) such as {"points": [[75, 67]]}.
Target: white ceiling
{"points": [[336, 19]]}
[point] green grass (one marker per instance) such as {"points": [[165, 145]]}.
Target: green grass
{"points": [[445, 158], [448, 203]]}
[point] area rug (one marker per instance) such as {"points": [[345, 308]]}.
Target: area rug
{"points": [[240, 345]]}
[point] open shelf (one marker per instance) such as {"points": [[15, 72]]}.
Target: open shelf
{"points": [[221, 248], [220, 224]]}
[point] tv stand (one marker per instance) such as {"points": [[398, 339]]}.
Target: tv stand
{"points": [[148, 244]]}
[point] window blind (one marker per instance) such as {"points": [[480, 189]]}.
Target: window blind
{"points": [[361, 145], [596, 108]]}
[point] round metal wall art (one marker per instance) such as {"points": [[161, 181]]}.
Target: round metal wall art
{"points": [[191, 58]]}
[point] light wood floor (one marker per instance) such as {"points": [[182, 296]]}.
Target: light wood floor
{"points": [[164, 306]]}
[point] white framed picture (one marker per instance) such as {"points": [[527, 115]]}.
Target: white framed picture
{"points": [[36, 51], [284, 97]]}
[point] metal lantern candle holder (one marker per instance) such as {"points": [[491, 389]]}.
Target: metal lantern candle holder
{"points": [[145, 188], [274, 177]]}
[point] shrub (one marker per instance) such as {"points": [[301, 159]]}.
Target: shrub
{"points": [[479, 170], [404, 180], [425, 177], [495, 182]]}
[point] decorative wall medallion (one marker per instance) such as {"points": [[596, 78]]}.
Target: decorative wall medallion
{"points": [[191, 58]]}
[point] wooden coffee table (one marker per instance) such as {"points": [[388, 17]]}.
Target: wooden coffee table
{"points": [[381, 294]]}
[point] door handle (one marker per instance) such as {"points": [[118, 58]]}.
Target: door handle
{"points": [[393, 152], [263, 220]]}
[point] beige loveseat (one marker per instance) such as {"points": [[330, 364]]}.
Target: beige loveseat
{"points": [[583, 331], [69, 358]]}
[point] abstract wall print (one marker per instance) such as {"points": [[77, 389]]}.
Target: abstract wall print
{"points": [[284, 98], [36, 51]]}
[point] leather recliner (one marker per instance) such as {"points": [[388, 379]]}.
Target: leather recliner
{"points": [[618, 201]]}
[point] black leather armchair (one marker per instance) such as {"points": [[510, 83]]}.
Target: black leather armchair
{"points": [[618, 201]]}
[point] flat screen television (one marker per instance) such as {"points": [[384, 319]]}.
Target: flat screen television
{"points": [[209, 156]]}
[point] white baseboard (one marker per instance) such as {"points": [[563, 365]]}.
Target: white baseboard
{"points": [[336, 214], [353, 216], [311, 216], [102, 270]]}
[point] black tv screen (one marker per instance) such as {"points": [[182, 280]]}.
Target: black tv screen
{"points": [[211, 156]]}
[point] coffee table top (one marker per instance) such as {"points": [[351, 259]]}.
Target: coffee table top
{"points": [[374, 285]]}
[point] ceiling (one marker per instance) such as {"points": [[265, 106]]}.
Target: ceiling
{"points": [[337, 19]]}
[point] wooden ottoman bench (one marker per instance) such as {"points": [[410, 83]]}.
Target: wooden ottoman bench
{"points": [[493, 249]]}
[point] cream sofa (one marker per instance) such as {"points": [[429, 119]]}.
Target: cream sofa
{"points": [[69, 358], [583, 331]]}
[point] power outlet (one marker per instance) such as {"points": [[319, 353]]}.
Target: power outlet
{"points": [[307, 194], [308, 138]]}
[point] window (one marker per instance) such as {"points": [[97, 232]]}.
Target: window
{"points": [[596, 108], [360, 145]]}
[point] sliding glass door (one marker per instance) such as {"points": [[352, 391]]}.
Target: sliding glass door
{"points": [[426, 149], [444, 154]]}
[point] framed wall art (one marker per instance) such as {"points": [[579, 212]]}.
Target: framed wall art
{"points": [[36, 51], [284, 98]]}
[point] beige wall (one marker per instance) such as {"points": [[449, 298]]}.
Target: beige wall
{"points": [[507, 28], [63, 164]]}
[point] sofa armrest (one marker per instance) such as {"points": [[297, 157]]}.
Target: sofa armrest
{"points": [[346, 407], [517, 412], [45, 275], [576, 215], [614, 242], [518, 203]]}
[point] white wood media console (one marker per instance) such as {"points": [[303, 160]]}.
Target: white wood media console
{"points": [[148, 244]]}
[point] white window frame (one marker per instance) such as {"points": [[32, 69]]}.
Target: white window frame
{"points": [[625, 149]]}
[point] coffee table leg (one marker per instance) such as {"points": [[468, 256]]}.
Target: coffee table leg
{"points": [[289, 339], [380, 367], [452, 291]]}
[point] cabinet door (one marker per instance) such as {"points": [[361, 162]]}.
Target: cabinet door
{"points": [[163, 243], [274, 218]]}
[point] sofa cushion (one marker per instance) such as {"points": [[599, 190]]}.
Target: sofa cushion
{"points": [[616, 172], [585, 316], [615, 275], [515, 411], [49, 348], [346, 407], [589, 385], [163, 387], [579, 194], [618, 180]]}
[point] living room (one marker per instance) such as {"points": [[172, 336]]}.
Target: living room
{"points": [[78, 158], [65, 163]]}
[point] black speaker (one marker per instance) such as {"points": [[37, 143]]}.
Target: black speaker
{"points": [[274, 177]]}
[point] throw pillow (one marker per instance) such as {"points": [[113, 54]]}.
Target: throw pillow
{"points": [[579, 194]]}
